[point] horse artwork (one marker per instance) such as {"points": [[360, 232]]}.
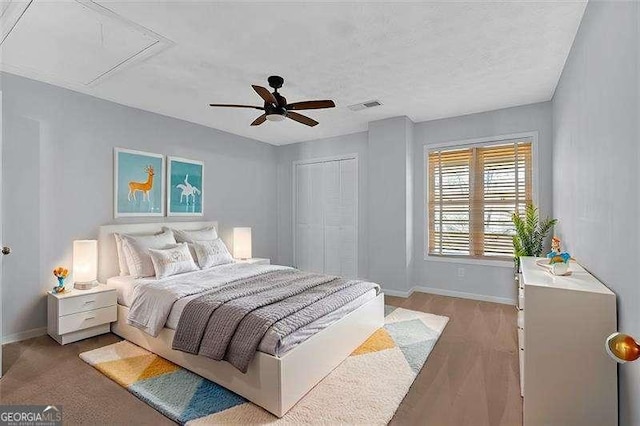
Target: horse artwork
{"points": [[185, 191], [188, 190], [138, 183], [143, 187]]}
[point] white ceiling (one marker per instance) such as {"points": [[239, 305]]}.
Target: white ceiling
{"points": [[423, 60]]}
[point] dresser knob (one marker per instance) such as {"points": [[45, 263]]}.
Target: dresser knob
{"points": [[6, 250]]}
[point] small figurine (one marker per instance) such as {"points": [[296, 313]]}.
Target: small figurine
{"points": [[559, 262], [60, 273], [555, 245]]}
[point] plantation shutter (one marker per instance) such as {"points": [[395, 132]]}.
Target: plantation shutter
{"points": [[472, 194], [450, 177]]}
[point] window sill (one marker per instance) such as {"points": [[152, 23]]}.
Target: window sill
{"points": [[500, 263]]}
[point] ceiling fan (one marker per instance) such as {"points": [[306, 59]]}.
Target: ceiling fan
{"points": [[276, 107]]}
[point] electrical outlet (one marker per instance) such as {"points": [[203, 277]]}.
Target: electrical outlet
{"points": [[460, 272]]}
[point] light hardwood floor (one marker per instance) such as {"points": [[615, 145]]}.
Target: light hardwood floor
{"points": [[472, 374], [470, 378]]}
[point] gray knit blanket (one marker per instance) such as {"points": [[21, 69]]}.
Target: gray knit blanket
{"points": [[229, 323]]}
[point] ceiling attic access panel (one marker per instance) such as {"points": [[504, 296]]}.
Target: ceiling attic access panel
{"points": [[75, 42]]}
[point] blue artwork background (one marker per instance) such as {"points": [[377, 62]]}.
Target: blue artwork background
{"points": [[185, 204], [131, 168]]}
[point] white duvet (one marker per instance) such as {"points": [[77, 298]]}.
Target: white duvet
{"points": [[153, 299]]}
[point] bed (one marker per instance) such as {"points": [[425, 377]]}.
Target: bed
{"points": [[279, 375]]}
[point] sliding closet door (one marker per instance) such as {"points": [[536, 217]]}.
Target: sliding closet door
{"points": [[340, 208], [326, 217], [309, 218]]}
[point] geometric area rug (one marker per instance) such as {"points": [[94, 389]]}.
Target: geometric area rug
{"points": [[366, 388]]}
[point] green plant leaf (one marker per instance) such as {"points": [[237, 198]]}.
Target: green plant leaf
{"points": [[530, 232]]}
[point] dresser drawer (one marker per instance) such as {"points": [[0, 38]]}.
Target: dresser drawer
{"points": [[520, 281], [86, 302], [521, 320], [521, 361], [521, 299], [520, 339], [88, 319]]}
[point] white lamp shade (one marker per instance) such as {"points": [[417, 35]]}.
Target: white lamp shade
{"points": [[242, 243], [85, 261]]}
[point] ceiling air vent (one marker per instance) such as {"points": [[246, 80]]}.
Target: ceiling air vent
{"points": [[365, 105]]}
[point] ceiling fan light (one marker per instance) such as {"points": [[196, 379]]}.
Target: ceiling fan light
{"points": [[275, 117]]}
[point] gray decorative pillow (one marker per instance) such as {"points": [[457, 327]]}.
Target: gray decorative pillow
{"points": [[212, 253], [172, 261]]}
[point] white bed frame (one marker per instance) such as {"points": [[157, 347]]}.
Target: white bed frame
{"points": [[274, 383]]}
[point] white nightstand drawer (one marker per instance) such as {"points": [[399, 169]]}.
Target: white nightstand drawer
{"points": [[82, 320], [86, 302]]}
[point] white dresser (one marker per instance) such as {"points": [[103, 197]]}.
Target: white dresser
{"points": [[79, 314], [566, 376]]}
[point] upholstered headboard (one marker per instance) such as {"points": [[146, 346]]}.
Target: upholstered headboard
{"points": [[107, 254]]}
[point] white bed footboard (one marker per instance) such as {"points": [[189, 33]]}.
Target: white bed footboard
{"points": [[274, 383]]}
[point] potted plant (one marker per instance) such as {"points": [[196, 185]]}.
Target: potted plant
{"points": [[531, 233]]}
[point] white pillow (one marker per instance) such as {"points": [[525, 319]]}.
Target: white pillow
{"points": [[212, 253], [136, 251], [205, 234], [172, 261], [122, 260]]}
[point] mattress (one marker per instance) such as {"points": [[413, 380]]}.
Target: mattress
{"points": [[272, 343], [124, 286]]}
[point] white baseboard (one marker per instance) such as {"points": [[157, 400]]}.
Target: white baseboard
{"points": [[397, 293], [24, 335], [463, 295], [450, 293]]}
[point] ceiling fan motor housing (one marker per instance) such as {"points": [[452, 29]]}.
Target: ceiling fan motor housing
{"points": [[271, 109], [275, 81]]}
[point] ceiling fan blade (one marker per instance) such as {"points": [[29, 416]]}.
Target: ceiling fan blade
{"points": [[301, 119], [297, 106], [258, 121], [265, 94], [237, 106]]}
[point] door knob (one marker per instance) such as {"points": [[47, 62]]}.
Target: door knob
{"points": [[6, 250]]}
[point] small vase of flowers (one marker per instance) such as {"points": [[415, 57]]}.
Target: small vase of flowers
{"points": [[60, 273]]}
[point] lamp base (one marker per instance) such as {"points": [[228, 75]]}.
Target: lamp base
{"points": [[85, 285]]}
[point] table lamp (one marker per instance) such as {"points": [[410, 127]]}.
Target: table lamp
{"points": [[85, 264], [242, 243]]}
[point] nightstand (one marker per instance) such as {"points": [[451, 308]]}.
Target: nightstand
{"points": [[255, 261], [78, 314]]}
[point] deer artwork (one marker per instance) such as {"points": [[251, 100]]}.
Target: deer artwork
{"points": [[143, 187]]}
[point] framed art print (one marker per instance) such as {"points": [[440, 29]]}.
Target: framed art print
{"points": [[138, 183], [185, 192]]}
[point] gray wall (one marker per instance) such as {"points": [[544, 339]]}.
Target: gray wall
{"points": [[390, 189], [491, 282], [391, 227], [595, 162], [58, 182], [355, 143]]}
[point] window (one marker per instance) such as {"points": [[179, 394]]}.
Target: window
{"points": [[472, 193]]}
